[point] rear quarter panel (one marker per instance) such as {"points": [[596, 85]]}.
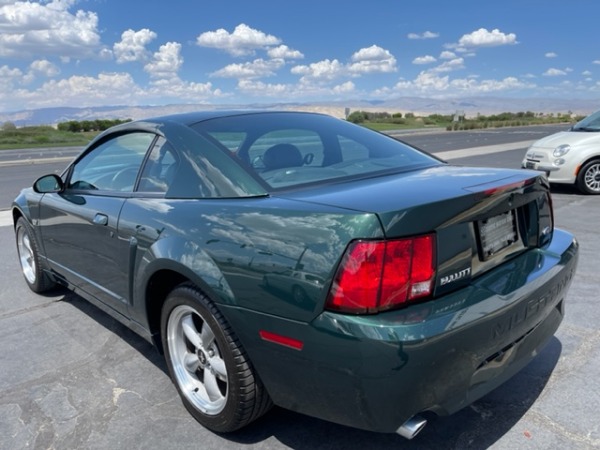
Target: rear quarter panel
{"points": [[229, 245]]}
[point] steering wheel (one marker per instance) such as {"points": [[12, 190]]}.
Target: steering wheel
{"points": [[124, 178]]}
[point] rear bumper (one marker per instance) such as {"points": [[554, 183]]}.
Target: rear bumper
{"points": [[375, 372]]}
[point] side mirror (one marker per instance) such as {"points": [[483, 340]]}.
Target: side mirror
{"points": [[48, 184]]}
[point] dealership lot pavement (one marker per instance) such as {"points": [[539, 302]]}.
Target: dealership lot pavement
{"points": [[71, 377]]}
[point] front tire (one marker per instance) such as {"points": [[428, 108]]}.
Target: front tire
{"points": [[588, 178], [29, 257], [207, 363]]}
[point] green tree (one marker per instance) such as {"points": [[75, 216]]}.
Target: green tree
{"points": [[357, 117], [8, 126]]}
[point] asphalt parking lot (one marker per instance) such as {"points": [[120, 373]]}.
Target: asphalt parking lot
{"points": [[73, 378]]}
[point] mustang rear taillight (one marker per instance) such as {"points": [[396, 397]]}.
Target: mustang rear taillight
{"points": [[377, 275]]}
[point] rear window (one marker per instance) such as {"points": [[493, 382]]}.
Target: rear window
{"points": [[293, 149]]}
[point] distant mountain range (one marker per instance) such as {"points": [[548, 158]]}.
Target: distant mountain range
{"points": [[419, 106]]}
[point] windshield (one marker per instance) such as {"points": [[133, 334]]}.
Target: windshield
{"points": [[590, 123], [291, 149]]}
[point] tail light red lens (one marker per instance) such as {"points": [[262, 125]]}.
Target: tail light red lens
{"points": [[377, 275]]}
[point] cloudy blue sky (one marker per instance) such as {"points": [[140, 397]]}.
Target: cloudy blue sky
{"points": [[140, 52]]}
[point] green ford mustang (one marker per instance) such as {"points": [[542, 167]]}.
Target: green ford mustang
{"points": [[299, 260]]}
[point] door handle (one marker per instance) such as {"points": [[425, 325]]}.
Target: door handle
{"points": [[100, 219]]}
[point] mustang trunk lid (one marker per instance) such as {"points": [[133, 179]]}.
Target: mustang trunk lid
{"points": [[481, 217]]}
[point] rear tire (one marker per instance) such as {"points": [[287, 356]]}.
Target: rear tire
{"points": [[29, 257], [588, 178], [207, 363]]}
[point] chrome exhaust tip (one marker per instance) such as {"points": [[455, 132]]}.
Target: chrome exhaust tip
{"points": [[412, 427]]}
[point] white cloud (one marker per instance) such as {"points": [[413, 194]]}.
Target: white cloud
{"points": [[552, 72], [166, 62], [485, 38], [597, 61], [372, 53], [367, 60], [424, 82], [322, 70], [284, 52], [7, 72], [85, 91], [586, 73], [9, 79], [104, 54], [344, 88], [372, 59], [176, 89], [427, 59], [550, 55], [243, 41], [132, 46], [260, 89], [447, 55], [449, 66], [255, 69], [44, 67], [425, 35], [47, 28], [302, 90], [428, 83], [486, 86]]}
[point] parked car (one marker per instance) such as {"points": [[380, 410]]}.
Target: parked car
{"points": [[570, 157], [425, 285], [296, 283]]}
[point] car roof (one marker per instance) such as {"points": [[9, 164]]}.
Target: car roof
{"points": [[184, 119], [200, 116]]}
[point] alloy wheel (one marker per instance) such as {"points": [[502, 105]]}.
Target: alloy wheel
{"points": [[592, 177], [196, 359], [26, 255]]}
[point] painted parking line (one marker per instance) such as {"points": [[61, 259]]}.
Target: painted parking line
{"points": [[5, 219], [24, 162], [474, 151]]}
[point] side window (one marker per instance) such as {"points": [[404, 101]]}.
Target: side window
{"points": [[352, 150], [159, 170], [113, 165], [285, 149]]}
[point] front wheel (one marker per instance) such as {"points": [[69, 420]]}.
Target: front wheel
{"points": [[29, 257], [207, 363], [588, 179]]}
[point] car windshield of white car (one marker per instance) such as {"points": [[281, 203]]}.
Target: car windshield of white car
{"points": [[590, 123]]}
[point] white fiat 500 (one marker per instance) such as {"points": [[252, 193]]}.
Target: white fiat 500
{"points": [[570, 157]]}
